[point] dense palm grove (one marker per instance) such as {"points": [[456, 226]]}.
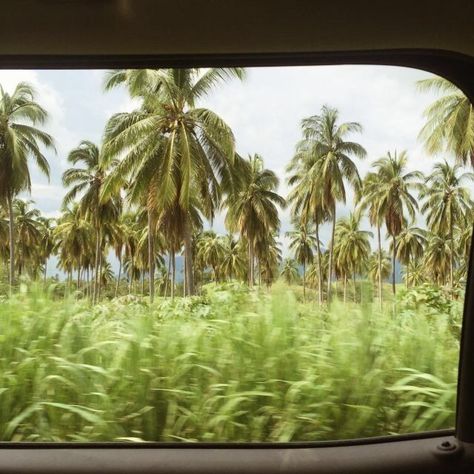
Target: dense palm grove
{"points": [[163, 171]]}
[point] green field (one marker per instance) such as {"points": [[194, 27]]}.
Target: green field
{"points": [[230, 365]]}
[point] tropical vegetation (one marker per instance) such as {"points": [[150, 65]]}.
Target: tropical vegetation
{"points": [[158, 327]]}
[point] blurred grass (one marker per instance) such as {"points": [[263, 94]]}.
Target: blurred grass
{"points": [[231, 365]]}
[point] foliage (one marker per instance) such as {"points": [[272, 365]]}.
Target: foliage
{"points": [[232, 364]]}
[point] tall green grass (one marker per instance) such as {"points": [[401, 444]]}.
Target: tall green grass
{"points": [[231, 365]]}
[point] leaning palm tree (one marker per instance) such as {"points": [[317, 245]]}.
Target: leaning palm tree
{"points": [[394, 197], [173, 151], [449, 121], [20, 139], [447, 202], [302, 243], [252, 209], [326, 146], [410, 246]]}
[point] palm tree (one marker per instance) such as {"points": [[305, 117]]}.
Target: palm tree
{"points": [[233, 258], [307, 202], [252, 209], [325, 144], [379, 267], [47, 226], [367, 199], [352, 247], [174, 152], [410, 246], [20, 139], [28, 234], [449, 121], [88, 181], [415, 273], [268, 252], [447, 202], [393, 196], [437, 257], [289, 271], [302, 243], [74, 240], [210, 251]]}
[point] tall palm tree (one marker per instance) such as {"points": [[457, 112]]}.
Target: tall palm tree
{"points": [[449, 121], [20, 139], [307, 202], [394, 196], [447, 202], [252, 209], [173, 150], [302, 243], [410, 246], [326, 145], [87, 181]]}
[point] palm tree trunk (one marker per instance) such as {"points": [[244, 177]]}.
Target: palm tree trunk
{"points": [[119, 273], [130, 276], [173, 275], [151, 259], [11, 234], [143, 282], [188, 258], [451, 260], [345, 288], [304, 281], [99, 283], [96, 266], [379, 241], [45, 274], [184, 278], [250, 254], [331, 251], [320, 270], [355, 289], [394, 240], [78, 277]]}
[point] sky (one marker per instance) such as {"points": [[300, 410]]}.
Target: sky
{"points": [[264, 112]]}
